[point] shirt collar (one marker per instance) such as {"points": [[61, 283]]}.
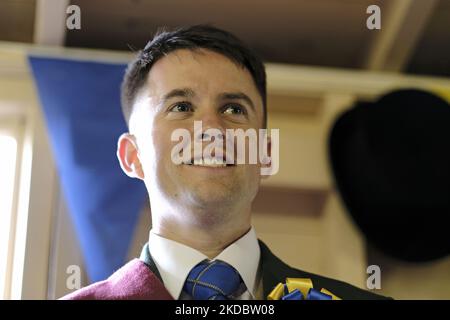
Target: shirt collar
{"points": [[244, 256], [175, 260]]}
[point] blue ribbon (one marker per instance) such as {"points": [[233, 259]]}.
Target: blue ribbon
{"points": [[313, 294]]}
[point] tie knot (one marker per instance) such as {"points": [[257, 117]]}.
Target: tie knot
{"points": [[212, 280]]}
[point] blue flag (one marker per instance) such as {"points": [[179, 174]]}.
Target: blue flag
{"points": [[81, 106]]}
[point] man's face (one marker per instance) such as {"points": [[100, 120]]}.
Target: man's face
{"points": [[183, 87]]}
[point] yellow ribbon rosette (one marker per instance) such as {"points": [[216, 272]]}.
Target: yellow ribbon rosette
{"points": [[300, 289]]}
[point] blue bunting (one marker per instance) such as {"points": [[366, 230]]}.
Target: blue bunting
{"points": [[81, 105]]}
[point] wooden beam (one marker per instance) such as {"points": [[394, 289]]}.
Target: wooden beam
{"points": [[50, 22], [401, 28], [282, 79]]}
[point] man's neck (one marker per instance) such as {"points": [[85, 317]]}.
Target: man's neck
{"points": [[208, 240]]}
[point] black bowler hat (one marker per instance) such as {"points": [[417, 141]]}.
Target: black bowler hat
{"points": [[391, 164]]}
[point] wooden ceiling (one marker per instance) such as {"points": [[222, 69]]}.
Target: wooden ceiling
{"points": [[292, 31], [414, 36], [432, 54], [17, 20]]}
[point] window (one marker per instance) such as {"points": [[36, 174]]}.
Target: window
{"points": [[8, 164]]}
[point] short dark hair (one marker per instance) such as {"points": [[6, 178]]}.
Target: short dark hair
{"points": [[193, 38]]}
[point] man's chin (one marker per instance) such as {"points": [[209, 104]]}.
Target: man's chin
{"points": [[208, 196]]}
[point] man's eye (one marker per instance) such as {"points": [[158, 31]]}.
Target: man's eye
{"points": [[234, 109], [181, 107]]}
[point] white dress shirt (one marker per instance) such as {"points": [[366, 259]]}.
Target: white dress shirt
{"points": [[175, 260]]}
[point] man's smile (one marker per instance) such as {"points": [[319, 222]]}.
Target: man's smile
{"points": [[218, 161], [210, 164]]}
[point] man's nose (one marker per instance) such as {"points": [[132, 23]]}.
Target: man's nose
{"points": [[205, 136], [210, 121]]}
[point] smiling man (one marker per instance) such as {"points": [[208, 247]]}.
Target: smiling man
{"points": [[202, 244]]}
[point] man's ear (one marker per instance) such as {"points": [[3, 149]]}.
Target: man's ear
{"points": [[127, 153], [269, 157]]}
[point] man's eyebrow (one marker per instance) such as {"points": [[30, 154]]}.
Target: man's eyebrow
{"points": [[237, 96], [179, 92]]}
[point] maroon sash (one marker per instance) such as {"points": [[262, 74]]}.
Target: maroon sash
{"points": [[134, 281]]}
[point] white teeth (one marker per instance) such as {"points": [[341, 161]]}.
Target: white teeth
{"points": [[209, 162]]}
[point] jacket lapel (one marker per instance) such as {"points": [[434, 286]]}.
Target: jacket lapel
{"points": [[274, 270], [148, 260]]}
